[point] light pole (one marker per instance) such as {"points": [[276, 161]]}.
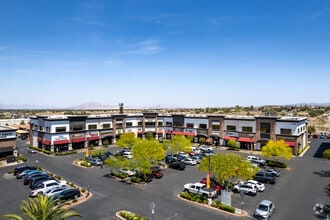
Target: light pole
{"points": [[208, 181], [37, 164]]}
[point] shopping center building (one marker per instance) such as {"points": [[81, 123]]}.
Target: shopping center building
{"points": [[63, 132], [7, 141]]}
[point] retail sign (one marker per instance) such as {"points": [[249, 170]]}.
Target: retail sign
{"points": [[233, 134], [7, 134], [226, 197]]}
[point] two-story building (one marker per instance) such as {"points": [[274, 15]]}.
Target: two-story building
{"points": [[60, 133]]}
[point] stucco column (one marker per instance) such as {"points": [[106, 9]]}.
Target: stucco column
{"points": [[70, 146]]}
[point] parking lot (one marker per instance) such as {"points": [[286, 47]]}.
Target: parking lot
{"points": [[297, 190]]}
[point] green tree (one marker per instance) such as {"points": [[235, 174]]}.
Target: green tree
{"points": [[228, 168], [179, 143], [126, 140], [147, 152], [201, 140], [43, 208], [276, 150], [326, 154], [232, 144], [311, 129], [149, 135], [115, 163]]}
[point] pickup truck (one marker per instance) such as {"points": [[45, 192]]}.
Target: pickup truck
{"points": [[200, 189]]}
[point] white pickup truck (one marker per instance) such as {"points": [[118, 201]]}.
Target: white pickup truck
{"points": [[200, 189]]}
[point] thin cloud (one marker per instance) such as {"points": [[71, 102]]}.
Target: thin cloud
{"points": [[87, 21], [147, 47], [318, 13]]}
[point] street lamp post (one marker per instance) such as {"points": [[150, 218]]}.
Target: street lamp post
{"points": [[208, 181], [37, 163]]}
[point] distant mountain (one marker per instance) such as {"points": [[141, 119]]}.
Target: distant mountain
{"points": [[93, 105]]}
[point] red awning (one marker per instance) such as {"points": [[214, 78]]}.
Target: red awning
{"points": [[140, 132], [93, 138], [230, 138], [168, 132], [78, 139], [159, 132], [39, 139], [177, 132], [245, 139], [46, 142], [61, 142], [189, 133], [290, 143], [209, 140]]}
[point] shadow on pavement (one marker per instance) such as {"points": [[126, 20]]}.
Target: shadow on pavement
{"points": [[322, 147]]}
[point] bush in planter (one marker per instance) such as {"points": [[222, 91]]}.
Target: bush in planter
{"points": [[224, 207], [326, 154], [272, 163], [135, 179], [83, 190], [85, 164], [131, 216]]}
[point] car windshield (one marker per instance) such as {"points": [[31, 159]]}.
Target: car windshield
{"points": [[263, 207]]}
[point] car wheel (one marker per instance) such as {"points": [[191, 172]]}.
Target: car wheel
{"points": [[267, 181], [186, 191], [76, 196], [40, 194]]}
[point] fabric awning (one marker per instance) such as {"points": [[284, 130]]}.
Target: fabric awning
{"points": [[245, 139], [78, 139], [46, 142], [93, 138], [189, 133], [60, 142], [177, 132], [39, 139], [140, 132], [230, 138], [290, 143]]}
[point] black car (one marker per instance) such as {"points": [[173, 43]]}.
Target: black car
{"points": [[177, 166], [264, 177], [20, 169], [145, 177], [67, 194], [28, 177]]}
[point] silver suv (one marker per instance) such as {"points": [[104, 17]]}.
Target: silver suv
{"points": [[247, 188]]}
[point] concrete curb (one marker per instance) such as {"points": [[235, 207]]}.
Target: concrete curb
{"points": [[243, 214]]}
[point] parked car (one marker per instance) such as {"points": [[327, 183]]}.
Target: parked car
{"points": [[156, 172], [37, 180], [272, 172], [260, 186], [20, 169], [96, 162], [54, 190], [128, 154], [31, 151], [214, 185], [28, 177], [67, 194], [256, 159], [23, 173], [169, 159], [189, 161], [322, 136], [264, 177], [200, 189], [127, 171], [42, 187], [264, 210], [177, 166], [247, 188], [145, 177], [197, 158]]}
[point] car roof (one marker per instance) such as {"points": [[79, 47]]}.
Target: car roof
{"points": [[265, 202]]}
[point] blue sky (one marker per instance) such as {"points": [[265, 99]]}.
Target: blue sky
{"points": [[183, 53]]}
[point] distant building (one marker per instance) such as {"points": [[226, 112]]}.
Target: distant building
{"points": [[7, 141], [63, 132]]}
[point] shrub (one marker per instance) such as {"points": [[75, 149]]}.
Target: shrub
{"points": [[46, 151], [10, 171], [326, 154], [272, 163], [85, 164], [65, 153], [136, 179], [74, 200], [131, 216], [224, 207], [83, 190]]}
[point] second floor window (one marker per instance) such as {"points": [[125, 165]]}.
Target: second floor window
{"points": [[190, 125], [246, 129], [231, 128], [60, 129], [92, 127], [202, 126], [286, 131]]}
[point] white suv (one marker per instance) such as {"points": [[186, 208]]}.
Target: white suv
{"points": [[247, 188], [41, 188], [257, 160]]}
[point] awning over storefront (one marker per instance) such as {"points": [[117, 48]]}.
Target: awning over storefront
{"points": [[46, 142], [290, 143], [209, 140], [230, 138], [39, 139], [93, 138], [189, 133], [61, 142], [245, 139], [140, 132], [177, 132], [78, 139]]}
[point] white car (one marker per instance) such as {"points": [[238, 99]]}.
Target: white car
{"points": [[128, 154], [43, 187], [247, 188], [256, 159], [127, 171], [189, 161], [260, 186]]}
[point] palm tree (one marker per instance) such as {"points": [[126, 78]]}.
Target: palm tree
{"points": [[43, 208]]}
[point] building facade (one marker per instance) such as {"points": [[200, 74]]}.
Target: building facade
{"points": [[60, 133], [7, 141]]}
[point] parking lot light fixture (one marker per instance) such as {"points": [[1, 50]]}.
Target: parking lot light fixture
{"points": [[37, 164]]}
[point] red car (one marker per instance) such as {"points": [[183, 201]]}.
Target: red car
{"points": [[156, 173], [214, 185]]}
